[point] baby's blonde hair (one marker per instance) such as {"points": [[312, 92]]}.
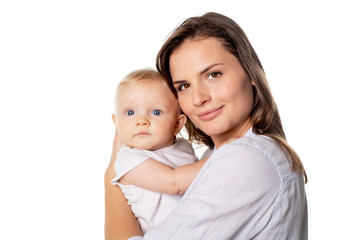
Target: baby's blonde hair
{"points": [[140, 76]]}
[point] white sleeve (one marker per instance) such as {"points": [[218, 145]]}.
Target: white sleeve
{"points": [[135, 238], [232, 198], [126, 160]]}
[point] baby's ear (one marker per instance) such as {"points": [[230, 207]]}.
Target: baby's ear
{"points": [[179, 123], [114, 118]]}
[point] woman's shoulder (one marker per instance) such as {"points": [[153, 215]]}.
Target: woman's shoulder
{"points": [[253, 142], [262, 143], [262, 148]]}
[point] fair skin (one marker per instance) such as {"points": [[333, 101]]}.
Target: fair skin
{"points": [[214, 91], [148, 117]]}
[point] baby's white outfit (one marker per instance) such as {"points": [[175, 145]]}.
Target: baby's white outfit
{"points": [[151, 208]]}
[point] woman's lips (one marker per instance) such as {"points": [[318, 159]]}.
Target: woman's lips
{"points": [[210, 114]]}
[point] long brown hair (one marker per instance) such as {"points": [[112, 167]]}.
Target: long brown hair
{"points": [[265, 115]]}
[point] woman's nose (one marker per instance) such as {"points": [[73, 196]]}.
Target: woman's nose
{"points": [[200, 95], [142, 121]]}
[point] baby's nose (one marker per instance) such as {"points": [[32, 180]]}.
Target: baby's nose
{"points": [[142, 122]]}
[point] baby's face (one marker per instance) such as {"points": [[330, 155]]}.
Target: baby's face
{"points": [[146, 115]]}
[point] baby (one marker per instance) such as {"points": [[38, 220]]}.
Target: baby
{"points": [[153, 167]]}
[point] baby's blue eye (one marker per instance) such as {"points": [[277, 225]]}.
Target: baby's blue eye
{"points": [[129, 112], [156, 112]]}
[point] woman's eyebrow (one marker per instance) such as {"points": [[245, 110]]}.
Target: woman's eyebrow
{"points": [[201, 73], [209, 67], [178, 82]]}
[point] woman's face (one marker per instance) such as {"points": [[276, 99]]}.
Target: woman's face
{"points": [[213, 89]]}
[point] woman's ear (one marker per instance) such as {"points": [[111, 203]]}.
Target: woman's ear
{"points": [[252, 82], [114, 118], [179, 123]]}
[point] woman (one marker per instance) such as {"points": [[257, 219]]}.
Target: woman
{"points": [[252, 186]]}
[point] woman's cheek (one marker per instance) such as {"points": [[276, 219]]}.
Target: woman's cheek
{"points": [[184, 104]]}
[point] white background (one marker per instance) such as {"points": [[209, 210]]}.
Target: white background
{"points": [[60, 62]]}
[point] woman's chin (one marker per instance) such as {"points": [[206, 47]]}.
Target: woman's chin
{"points": [[213, 131]]}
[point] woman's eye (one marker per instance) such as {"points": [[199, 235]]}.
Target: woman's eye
{"points": [[156, 112], [129, 112], [182, 87], [214, 75]]}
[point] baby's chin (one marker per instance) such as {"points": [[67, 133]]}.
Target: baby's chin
{"points": [[144, 146], [148, 146]]}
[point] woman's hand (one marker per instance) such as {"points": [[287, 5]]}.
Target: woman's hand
{"points": [[120, 222], [115, 149]]}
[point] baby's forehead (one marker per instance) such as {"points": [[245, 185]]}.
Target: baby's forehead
{"points": [[155, 91]]}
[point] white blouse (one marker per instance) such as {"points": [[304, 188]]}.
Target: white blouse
{"points": [[246, 190]]}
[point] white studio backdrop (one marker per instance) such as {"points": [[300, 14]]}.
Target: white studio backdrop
{"points": [[60, 62]]}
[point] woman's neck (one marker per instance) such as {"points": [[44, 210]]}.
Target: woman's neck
{"points": [[232, 134]]}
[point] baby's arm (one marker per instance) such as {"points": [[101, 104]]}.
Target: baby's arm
{"points": [[159, 177], [156, 176]]}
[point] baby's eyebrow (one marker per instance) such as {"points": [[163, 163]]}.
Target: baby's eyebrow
{"points": [[124, 104], [160, 106]]}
